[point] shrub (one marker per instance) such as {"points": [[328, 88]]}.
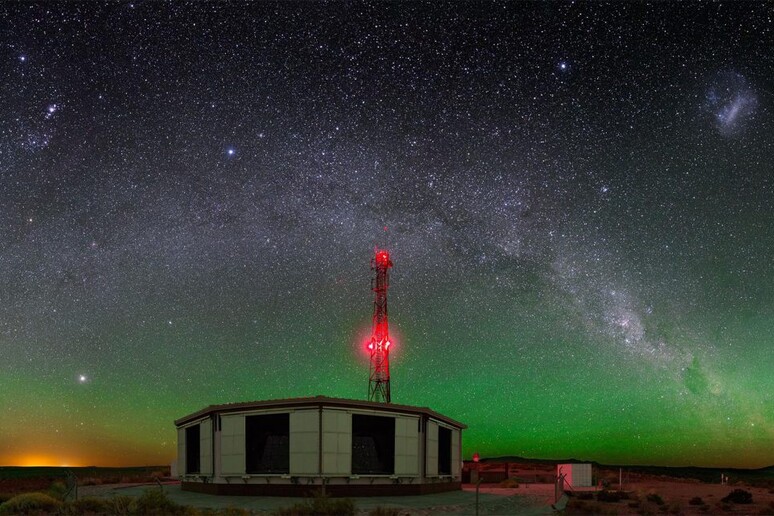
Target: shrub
{"points": [[653, 497], [384, 511], [696, 500], [57, 490], [738, 496], [608, 496], [121, 505], [155, 501], [30, 503], [725, 507], [675, 509], [320, 505], [88, 505], [575, 506], [509, 482], [233, 511], [4, 497]]}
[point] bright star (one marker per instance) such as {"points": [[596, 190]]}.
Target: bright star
{"points": [[82, 378], [230, 152]]}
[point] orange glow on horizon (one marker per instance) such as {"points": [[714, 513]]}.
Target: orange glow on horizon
{"points": [[34, 460], [122, 460]]}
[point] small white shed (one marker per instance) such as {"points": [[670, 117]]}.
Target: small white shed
{"points": [[575, 475]]}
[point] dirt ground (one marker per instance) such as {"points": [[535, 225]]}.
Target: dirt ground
{"points": [[528, 499], [675, 494]]}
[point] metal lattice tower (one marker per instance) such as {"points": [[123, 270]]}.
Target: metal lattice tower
{"points": [[379, 345]]}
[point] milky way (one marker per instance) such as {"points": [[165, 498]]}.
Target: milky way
{"points": [[578, 202]]}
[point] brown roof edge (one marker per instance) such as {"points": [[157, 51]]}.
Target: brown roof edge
{"points": [[315, 401]]}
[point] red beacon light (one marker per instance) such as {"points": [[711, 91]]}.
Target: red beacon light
{"points": [[383, 257], [387, 344]]}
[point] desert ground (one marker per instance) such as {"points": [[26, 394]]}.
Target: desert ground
{"points": [[522, 491]]}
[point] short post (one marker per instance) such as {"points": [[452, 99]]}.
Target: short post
{"points": [[478, 484]]}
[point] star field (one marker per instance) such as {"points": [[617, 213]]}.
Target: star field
{"points": [[578, 200]]}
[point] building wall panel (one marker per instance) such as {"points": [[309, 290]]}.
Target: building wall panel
{"points": [[337, 442], [205, 447], [232, 444], [456, 463], [406, 446], [431, 449], [181, 451], [304, 442]]}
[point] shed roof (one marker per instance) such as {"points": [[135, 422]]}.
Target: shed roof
{"points": [[315, 401]]}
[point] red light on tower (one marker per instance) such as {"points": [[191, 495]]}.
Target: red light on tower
{"points": [[379, 345]]}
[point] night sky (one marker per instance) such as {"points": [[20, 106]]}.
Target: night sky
{"points": [[579, 202]]}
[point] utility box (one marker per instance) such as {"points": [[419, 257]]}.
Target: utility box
{"points": [[575, 475]]}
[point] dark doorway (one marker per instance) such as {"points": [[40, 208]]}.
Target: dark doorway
{"points": [[267, 443], [444, 451], [192, 449], [373, 445]]}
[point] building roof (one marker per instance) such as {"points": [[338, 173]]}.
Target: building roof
{"points": [[315, 401]]}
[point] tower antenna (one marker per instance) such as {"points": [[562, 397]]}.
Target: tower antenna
{"points": [[379, 345]]}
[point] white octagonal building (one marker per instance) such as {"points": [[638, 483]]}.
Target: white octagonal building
{"points": [[295, 446]]}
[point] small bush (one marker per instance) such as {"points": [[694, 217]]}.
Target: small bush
{"points": [[739, 496], [653, 497], [384, 511], [4, 497], [575, 506], [121, 505], [320, 505], [608, 496], [155, 501], [696, 500], [725, 507], [88, 505], [675, 509], [57, 490], [158, 474], [30, 503], [233, 511], [509, 482], [633, 505]]}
